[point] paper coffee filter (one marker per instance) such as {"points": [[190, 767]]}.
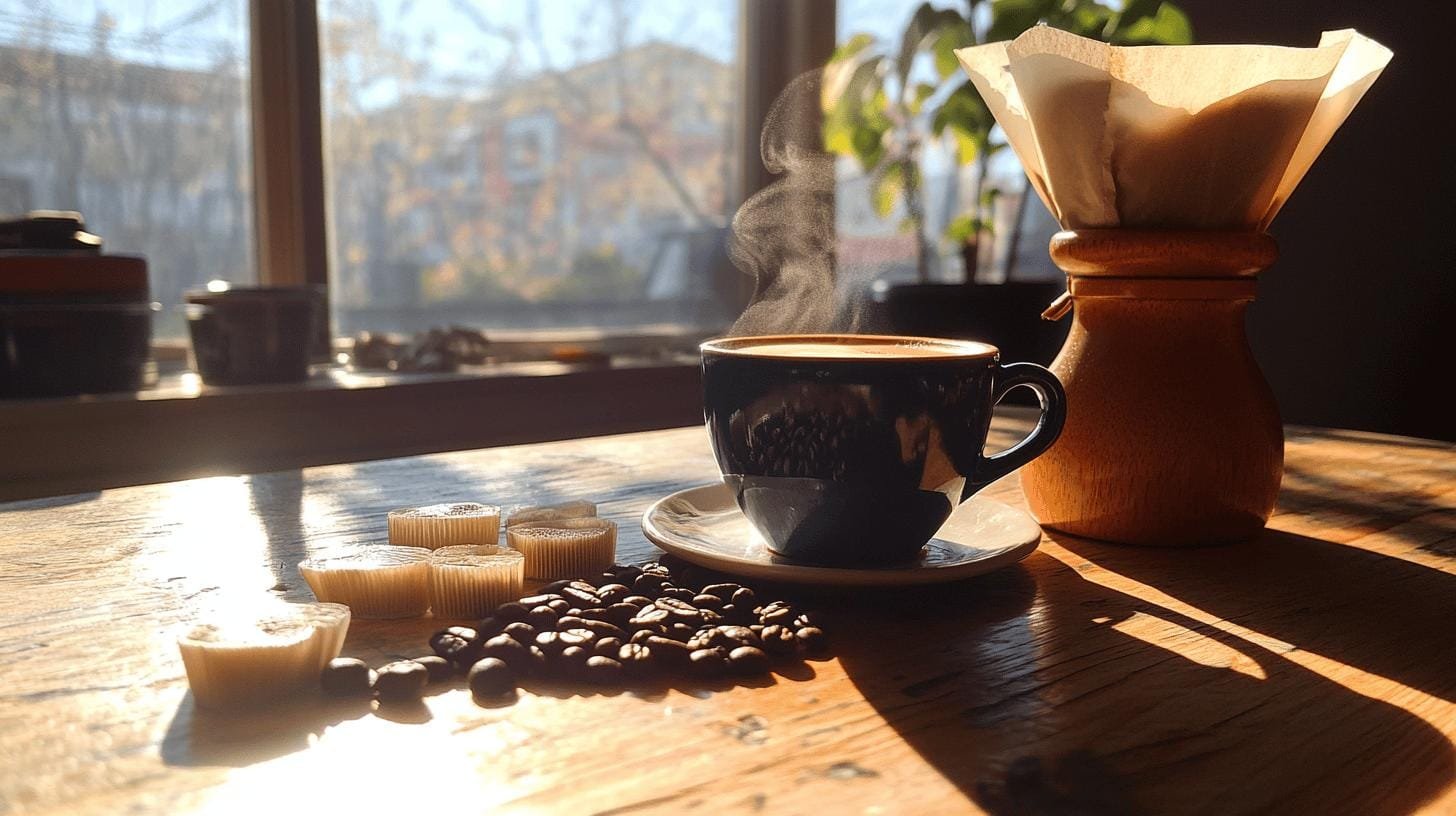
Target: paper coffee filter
{"points": [[1190, 137]]}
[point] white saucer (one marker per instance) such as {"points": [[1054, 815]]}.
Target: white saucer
{"points": [[703, 525]]}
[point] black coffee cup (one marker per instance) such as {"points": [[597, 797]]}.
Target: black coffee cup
{"points": [[852, 450]]}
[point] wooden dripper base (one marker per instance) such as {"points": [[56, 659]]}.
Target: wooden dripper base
{"points": [[1172, 436]]}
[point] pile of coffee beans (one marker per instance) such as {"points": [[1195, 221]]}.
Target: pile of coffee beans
{"points": [[631, 623]]}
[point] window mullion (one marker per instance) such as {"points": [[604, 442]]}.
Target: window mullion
{"points": [[288, 167]]}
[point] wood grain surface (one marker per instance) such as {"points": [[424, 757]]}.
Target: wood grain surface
{"points": [[1312, 670]]}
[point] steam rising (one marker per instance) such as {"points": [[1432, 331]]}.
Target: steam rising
{"points": [[784, 235]]}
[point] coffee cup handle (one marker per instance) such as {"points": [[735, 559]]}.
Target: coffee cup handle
{"points": [[1048, 426]]}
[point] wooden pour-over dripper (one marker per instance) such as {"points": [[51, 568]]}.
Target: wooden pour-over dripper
{"points": [[1172, 435]]}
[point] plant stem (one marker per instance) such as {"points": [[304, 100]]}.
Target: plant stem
{"points": [[916, 212]]}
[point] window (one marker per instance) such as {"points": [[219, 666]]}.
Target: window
{"points": [[875, 245], [136, 114], [529, 164]]}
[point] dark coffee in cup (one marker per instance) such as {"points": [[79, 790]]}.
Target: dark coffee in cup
{"points": [[852, 450]]}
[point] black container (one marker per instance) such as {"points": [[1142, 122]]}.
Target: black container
{"points": [[73, 324], [251, 335]]}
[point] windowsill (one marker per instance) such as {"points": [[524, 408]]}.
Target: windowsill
{"points": [[179, 428]]}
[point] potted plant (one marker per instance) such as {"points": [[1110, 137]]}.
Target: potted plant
{"points": [[880, 110]]}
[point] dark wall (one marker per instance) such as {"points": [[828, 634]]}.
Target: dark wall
{"points": [[1353, 325]]}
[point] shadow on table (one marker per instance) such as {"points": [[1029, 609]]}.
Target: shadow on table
{"points": [[48, 502], [1036, 691], [236, 738]]}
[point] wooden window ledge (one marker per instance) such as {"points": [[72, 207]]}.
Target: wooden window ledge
{"points": [[181, 429]]}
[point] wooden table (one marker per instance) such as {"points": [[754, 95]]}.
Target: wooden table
{"points": [[1310, 671]]}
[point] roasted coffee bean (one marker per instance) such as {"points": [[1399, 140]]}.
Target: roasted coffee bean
{"points": [[542, 617], [679, 593], [347, 677], [641, 635], [607, 646], [572, 661], [680, 610], [777, 612], [707, 602], [622, 614], [400, 681], [491, 677], [731, 637], [573, 612], [650, 616], [451, 639], [812, 639], [550, 643], [756, 628], [604, 628], [582, 598], [649, 584], [540, 598], [723, 592], [537, 662], [460, 645], [779, 641], [709, 617], [439, 668], [596, 613], [626, 575], [524, 632], [576, 637], [555, 587], [747, 660], [709, 663], [637, 601], [512, 651], [672, 654], [804, 619], [636, 658], [603, 671], [559, 605], [512, 611], [656, 568], [569, 622], [613, 593], [681, 632], [744, 597], [489, 628]]}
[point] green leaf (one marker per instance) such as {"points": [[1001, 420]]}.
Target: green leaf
{"points": [[967, 146], [1089, 19], [962, 228], [1011, 17], [868, 145], [923, 91], [1169, 26], [951, 32], [922, 22], [886, 189], [1134, 11], [852, 124], [989, 196], [851, 48]]}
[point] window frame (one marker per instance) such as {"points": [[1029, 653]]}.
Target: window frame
{"points": [[777, 40], [87, 443]]}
